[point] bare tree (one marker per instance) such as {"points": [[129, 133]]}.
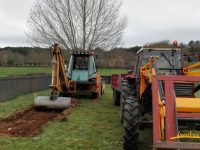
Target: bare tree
{"points": [[75, 24]]}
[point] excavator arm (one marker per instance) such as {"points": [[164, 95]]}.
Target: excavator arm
{"points": [[60, 82], [191, 69], [59, 86], [146, 77]]}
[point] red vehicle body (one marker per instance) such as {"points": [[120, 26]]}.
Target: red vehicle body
{"points": [[116, 84]]}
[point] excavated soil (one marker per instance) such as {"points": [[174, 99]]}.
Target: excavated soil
{"points": [[29, 122]]}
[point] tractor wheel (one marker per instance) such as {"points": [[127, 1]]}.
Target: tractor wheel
{"points": [[131, 123], [102, 91], [116, 98], [103, 88], [121, 113], [95, 95], [127, 90]]}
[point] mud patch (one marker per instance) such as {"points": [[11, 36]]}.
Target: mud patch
{"points": [[29, 122]]}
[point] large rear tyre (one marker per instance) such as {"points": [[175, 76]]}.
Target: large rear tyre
{"points": [[131, 123], [102, 87], [128, 89], [95, 95], [102, 91], [121, 113], [116, 97]]}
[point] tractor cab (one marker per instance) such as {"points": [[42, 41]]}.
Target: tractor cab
{"points": [[191, 58], [169, 58], [83, 75], [82, 66]]}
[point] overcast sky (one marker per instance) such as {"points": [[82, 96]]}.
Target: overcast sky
{"points": [[148, 21]]}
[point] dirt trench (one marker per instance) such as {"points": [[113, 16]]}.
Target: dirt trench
{"points": [[29, 122]]}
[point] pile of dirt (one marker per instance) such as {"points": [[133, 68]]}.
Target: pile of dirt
{"points": [[28, 122]]}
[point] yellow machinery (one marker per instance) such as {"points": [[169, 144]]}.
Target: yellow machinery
{"points": [[81, 76], [160, 86]]}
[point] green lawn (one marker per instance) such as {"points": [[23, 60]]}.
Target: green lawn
{"points": [[93, 125], [11, 71], [109, 72], [8, 107]]}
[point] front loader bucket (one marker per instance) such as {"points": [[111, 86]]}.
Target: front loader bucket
{"points": [[46, 102]]}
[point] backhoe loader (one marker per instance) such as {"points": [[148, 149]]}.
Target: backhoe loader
{"points": [[80, 77], [162, 87]]}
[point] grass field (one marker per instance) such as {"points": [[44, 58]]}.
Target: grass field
{"points": [[109, 72], [11, 71], [92, 125]]}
